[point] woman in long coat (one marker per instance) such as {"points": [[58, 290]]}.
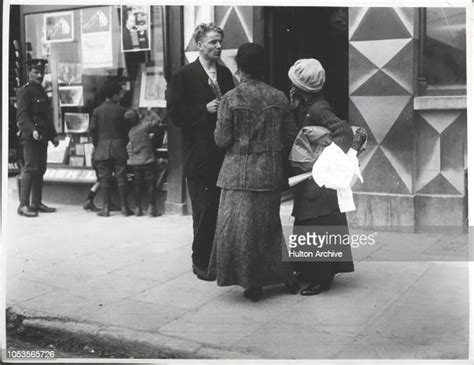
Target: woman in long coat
{"points": [[256, 127], [315, 206]]}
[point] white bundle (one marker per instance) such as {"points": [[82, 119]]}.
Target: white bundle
{"points": [[335, 169]]}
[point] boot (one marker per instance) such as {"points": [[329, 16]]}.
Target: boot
{"points": [[123, 199], [138, 194], [89, 203], [105, 211], [42, 208], [18, 186], [151, 199], [25, 188], [37, 195], [315, 288], [25, 211], [254, 294], [151, 211], [138, 211]]}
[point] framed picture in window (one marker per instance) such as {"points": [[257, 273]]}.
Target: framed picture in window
{"points": [[59, 27], [70, 96], [152, 87], [76, 122]]}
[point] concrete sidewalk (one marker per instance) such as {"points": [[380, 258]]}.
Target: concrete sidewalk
{"points": [[130, 279]]}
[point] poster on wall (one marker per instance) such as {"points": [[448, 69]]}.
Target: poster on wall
{"points": [[135, 28], [76, 122], [70, 96], [96, 37], [95, 20], [152, 88], [59, 27]]}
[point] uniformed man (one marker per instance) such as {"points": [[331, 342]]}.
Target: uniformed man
{"points": [[35, 129]]}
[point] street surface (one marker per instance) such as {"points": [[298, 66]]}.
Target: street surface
{"points": [[130, 279]]}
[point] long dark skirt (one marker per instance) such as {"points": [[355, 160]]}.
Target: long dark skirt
{"points": [[247, 248], [323, 272]]}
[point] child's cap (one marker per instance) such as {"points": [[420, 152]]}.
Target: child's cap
{"points": [[131, 116]]}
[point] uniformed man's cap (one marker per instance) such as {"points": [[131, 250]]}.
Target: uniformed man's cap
{"points": [[36, 63]]}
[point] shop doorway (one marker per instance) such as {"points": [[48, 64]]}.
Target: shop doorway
{"points": [[310, 32]]}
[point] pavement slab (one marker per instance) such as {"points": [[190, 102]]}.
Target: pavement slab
{"points": [[183, 291], [131, 314], [391, 276], [159, 268], [19, 290], [58, 303], [109, 288], [287, 340]]}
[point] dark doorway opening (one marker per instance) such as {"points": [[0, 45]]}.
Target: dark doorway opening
{"points": [[310, 32]]}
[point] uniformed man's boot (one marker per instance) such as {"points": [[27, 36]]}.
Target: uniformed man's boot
{"points": [[25, 211], [37, 194], [123, 199], [18, 185], [42, 208]]}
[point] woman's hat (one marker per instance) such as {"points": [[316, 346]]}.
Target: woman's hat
{"points": [[307, 75]]}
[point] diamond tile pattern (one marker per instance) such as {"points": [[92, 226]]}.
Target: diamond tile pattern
{"points": [[381, 94], [440, 152], [236, 21], [381, 88], [381, 23]]}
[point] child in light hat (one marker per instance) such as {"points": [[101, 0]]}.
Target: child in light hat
{"points": [[142, 157]]}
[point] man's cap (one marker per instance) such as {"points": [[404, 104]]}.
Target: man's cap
{"points": [[36, 63]]}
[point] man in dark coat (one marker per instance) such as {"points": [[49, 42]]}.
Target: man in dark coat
{"points": [[192, 102], [109, 132], [36, 128]]}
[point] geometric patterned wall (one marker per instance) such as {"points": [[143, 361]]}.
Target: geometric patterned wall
{"points": [[235, 21], [381, 76], [415, 161], [440, 152]]}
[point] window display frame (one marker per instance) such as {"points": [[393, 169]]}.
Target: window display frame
{"points": [[143, 59]]}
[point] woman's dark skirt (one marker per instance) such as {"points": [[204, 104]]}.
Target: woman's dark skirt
{"points": [[247, 248], [323, 272]]}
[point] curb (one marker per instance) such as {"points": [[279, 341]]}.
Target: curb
{"points": [[129, 340]]}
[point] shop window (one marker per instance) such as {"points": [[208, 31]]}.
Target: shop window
{"points": [[85, 48], [443, 51]]}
